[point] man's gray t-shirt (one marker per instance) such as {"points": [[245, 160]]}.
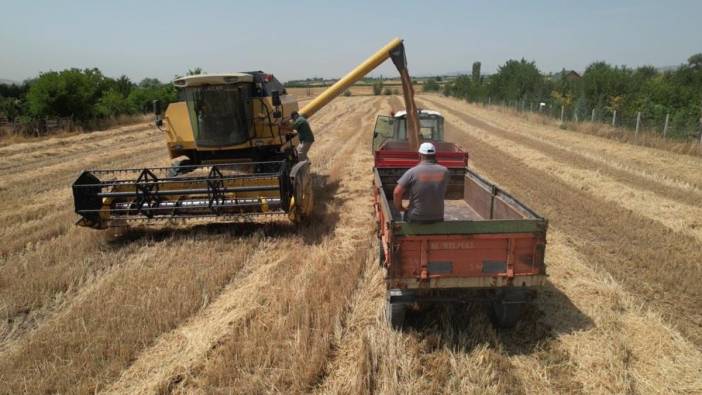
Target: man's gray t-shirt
{"points": [[426, 186]]}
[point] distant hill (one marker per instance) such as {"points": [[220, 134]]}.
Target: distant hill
{"points": [[8, 82]]}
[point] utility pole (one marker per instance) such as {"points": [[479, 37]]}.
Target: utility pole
{"points": [[562, 112], [614, 117], [638, 123], [592, 118]]}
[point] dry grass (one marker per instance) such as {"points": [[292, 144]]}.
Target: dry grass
{"points": [[9, 137], [646, 138], [677, 171], [52, 272], [270, 308], [641, 253], [280, 330], [680, 217], [356, 90]]}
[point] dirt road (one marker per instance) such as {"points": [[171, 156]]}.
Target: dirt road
{"points": [[267, 308]]}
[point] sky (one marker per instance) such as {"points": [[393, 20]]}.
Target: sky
{"points": [[301, 39]]}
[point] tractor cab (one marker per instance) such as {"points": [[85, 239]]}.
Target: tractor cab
{"points": [[394, 127]]}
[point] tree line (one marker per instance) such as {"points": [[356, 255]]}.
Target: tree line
{"points": [[674, 93], [83, 95]]}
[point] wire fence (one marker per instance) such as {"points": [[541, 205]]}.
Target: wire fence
{"points": [[665, 125], [38, 127]]}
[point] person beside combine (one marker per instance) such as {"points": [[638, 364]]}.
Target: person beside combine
{"points": [[425, 184], [304, 133]]}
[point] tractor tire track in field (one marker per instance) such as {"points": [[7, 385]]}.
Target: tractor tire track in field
{"points": [[46, 274], [54, 152], [685, 218], [640, 180], [186, 362], [586, 335], [672, 169], [659, 266], [270, 308]]}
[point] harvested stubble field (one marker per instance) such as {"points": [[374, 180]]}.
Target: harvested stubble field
{"points": [[266, 308]]}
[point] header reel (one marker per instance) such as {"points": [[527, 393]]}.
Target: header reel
{"points": [[109, 197]]}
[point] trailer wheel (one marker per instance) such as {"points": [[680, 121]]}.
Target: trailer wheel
{"points": [[395, 314], [506, 313], [508, 305], [396, 304]]}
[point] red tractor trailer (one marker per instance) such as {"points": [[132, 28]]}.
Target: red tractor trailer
{"points": [[490, 247]]}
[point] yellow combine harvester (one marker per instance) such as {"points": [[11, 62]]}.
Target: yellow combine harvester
{"points": [[233, 154]]}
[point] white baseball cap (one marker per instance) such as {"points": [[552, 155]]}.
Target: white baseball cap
{"points": [[427, 149]]}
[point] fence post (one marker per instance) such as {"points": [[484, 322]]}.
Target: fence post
{"points": [[638, 123], [665, 127], [592, 118], [562, 112], [614, 118], [489, 100], [575, 115]]}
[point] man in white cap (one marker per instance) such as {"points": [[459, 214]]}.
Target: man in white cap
{"points": [[426, 185]]}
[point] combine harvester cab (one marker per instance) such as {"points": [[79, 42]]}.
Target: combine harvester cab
{"points": [[490, 247]]}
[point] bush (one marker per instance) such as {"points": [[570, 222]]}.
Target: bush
{"points": [[113, 103], [10, 107], [140, 98], [387, 92], [69, 93], [347, 93]]}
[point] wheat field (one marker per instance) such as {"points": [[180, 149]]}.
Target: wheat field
{"points": [[271, 308]]}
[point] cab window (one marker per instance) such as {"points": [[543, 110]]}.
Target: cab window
{"points": [[430, 128], [383, 130]]}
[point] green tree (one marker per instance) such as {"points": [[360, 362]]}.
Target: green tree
{"points": [[68, 93], [123, 85], [10, 107], [113, 103], [150, 89], [695, 61], [517, 80], [475, 73]]}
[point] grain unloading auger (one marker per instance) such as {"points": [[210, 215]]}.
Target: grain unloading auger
{"points": [[233, 154]]}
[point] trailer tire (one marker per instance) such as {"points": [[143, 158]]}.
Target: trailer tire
{"points": [[395, 314], [506, 314], [508, 305]]}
